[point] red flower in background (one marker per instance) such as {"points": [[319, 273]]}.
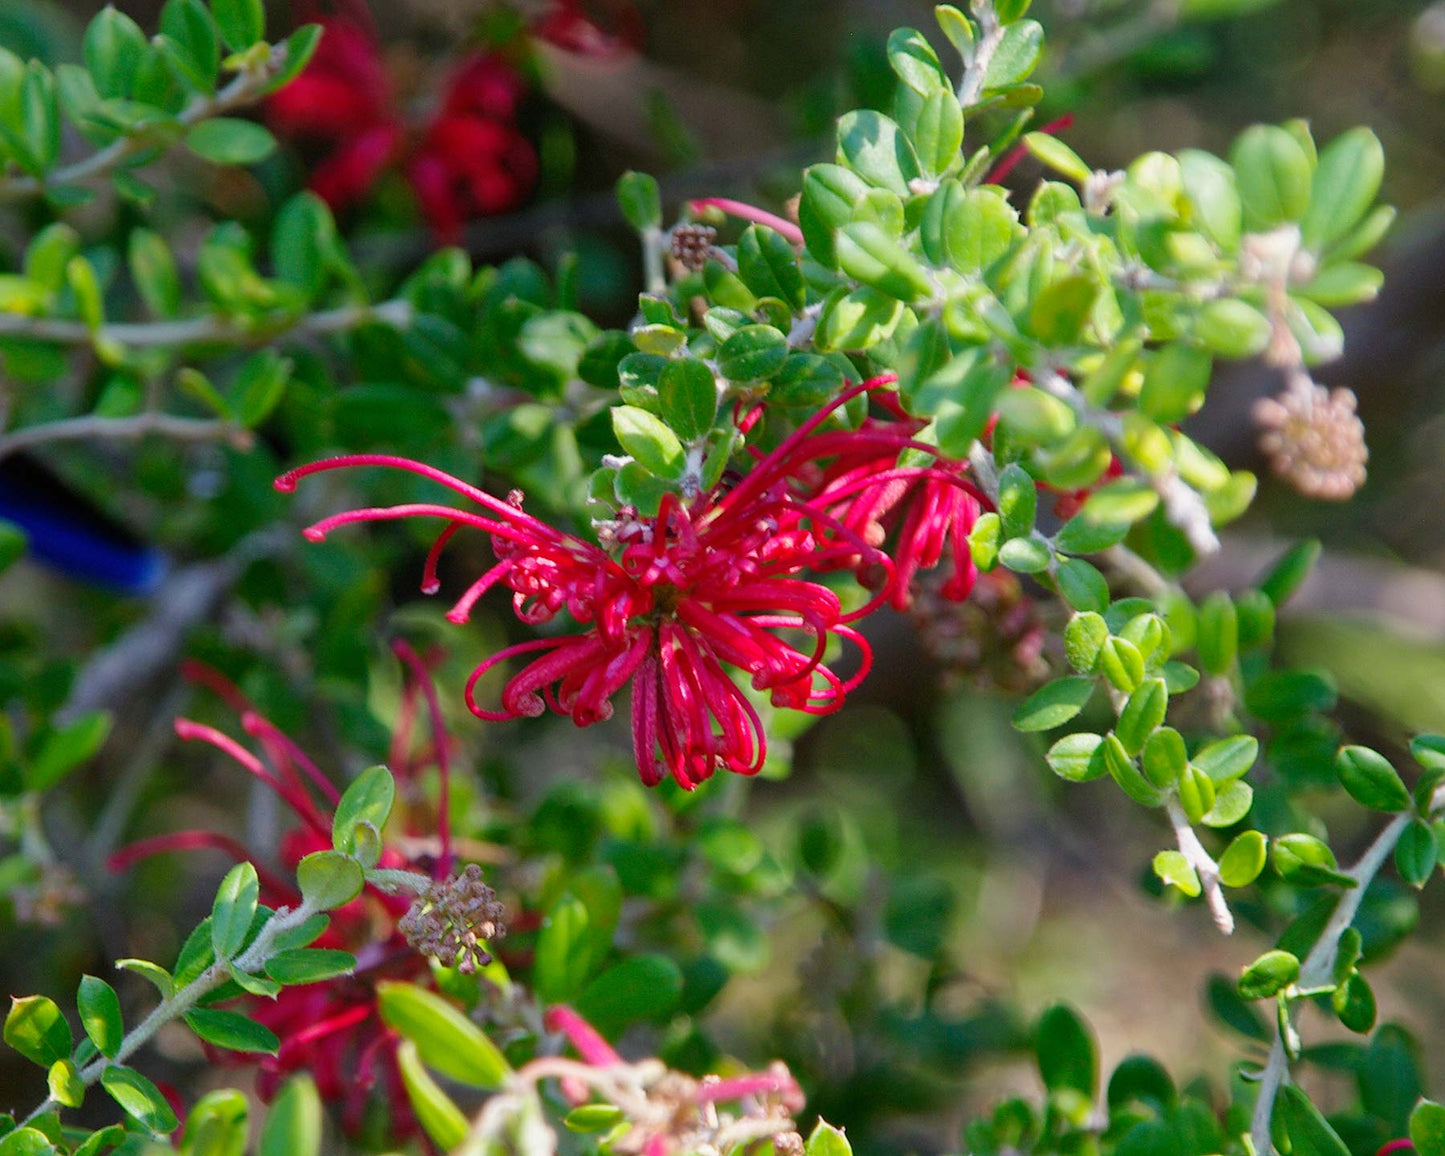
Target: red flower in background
{"points": [[468, 159], [331, 1029]]}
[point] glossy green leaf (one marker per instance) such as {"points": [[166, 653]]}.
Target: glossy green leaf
{"points": [[1273, 176], [1143, 712], [233, 910], [1271, 973], [1067, 1055], [65, 1085], [439, 1117], [1174, 870], [445, 1039], [1164, 756], [640, 201], [217, 1125], [37, 1030], [369, 798], [1345, 184], [293, 1124], [769, 266], [329, 879], [139, 1098], [1122, 770], [643, 989], [1370, 779], [1427, 1128], [241, 22], [309, 965], [874, 148], [1243, 859], [229, 141], [1417, 853], [66, 749], [753, 353], [1078, 758], [232, 1030], [868, 254], [1310, 1134], [1053, 704], [100, 1016]]}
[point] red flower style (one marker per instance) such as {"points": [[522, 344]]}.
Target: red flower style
{"points": [[683, 594], [926, 513], [331, 1029], [468, 160]]}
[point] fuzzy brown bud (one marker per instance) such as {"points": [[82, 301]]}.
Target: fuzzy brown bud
{"points": [[1314, 439], [450, 920]]}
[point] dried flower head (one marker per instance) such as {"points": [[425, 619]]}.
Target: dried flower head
{"points": [[995, 639], [691, 245], [452, 919], [1314, 439]]}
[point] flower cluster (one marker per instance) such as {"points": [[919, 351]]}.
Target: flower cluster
{"points": [[727, 579], [669, 1112], [467, 159]]}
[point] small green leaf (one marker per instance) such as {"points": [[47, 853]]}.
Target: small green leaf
{"points": [[1057, 155], [826, 1140], [768, 266], [1122, 770], [368, 799], [1017, 501], [1078, 758], [217, 1125], [1370, 779], [648, 439], [1082, 586], [1231, 328], [445, 1038], [259, 386], [1345, 183], [1196, 794], [309, 965], [1309, 1132], [1120, 503], [645, 988], [153, 268], [1142, 714], [1053, 704], [1268, 975], [1427, 1128], [867, 253], [329, 879], [1227, 759], [1121, 663], [439, 1117], [1306, 861], [190, 34], [593, 1118], [99, 1008], [1175, 382], [640, 201], [139, 1098], [1417, 853], [1174, 870], [1354, 1003], [224, 140], [689, 397], [232, 1030], [294, 1121], [1025, 555], [1273, 174], [153, 972], [873, 147], [1067, 1055], [35, 1028], [1084, 638], [242, 22], [1081, 535], [1217, 640], [233, 910], [65, 1084], [1243, 859]]}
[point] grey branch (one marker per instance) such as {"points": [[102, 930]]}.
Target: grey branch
{"points": [[90, 428], [1318, 966], [201, 330]]}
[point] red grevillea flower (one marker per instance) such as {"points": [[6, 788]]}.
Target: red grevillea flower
{"points": [[677, 598], [331, 1029]]}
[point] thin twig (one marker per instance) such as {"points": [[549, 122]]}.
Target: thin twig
{"points": [[1203, 863], [1318, 966], [91, 428], [990, 37], [203, 330]]}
